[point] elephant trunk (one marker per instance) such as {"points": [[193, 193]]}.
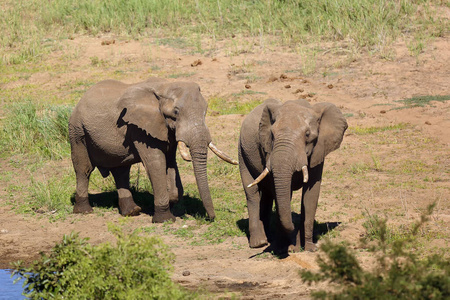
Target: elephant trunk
{"points": [[199, 161], [283, 168], [197, 140], [283, 200]]}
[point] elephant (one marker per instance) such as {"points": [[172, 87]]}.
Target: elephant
{"points": [[282, 148], [116, 125]]}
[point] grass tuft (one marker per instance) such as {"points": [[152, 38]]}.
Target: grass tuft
{"points": [[371, 130], [36, 130], [226, 107], [421, 101]]}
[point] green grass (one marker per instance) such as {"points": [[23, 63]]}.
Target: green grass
{"points": [[34, 28], [35, 129], [421, 101], [358, 130], [227, 107], [180, 75]]}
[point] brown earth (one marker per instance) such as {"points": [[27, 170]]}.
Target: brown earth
{"points": [[364, 86]]}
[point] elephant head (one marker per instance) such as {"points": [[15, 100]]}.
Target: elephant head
{"points": [[295, 138], [175, 109]]}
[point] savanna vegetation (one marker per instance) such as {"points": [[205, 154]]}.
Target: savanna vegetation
{"points": [[34, 137], [36, 27], [399, 272], [137, 267]]}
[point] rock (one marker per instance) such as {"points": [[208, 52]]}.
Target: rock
{"points": [[198, 62]]}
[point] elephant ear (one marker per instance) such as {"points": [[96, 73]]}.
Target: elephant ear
{"points": [[268, 117], [140, 106], [331, 131]]}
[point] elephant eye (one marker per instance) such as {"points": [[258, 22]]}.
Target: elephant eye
{"points": [[307, 133], [176, 111]]}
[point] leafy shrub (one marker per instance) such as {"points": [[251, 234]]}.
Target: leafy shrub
{"points": [[399, 273], [137, 267]]}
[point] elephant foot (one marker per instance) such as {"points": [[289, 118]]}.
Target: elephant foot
{"points": [[82, 206], [294, 248], [162, 214], [258, 239], [128, 208], [258, 243], [310, 246]]}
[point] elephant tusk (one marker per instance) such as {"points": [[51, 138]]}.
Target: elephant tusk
{"points": [[184, 152], [259, 178], [305, 174], [221, 154]]}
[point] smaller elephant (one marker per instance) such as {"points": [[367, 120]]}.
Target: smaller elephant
{"points": [[116, 125], [282, 148]]}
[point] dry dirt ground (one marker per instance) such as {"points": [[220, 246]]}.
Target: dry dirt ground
{"points": [[365, 87]]}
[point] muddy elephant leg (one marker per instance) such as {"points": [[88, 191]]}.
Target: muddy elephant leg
{"points": [[174, 185], [127, 207], [83, 169], [258, 237], [310, 198], [154, 160]]}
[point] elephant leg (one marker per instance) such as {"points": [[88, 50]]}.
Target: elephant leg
{"points": [[174, 185], [258, 237], [266, 204], [83, 169], [127, 207], [310, 198], [154, 161]]}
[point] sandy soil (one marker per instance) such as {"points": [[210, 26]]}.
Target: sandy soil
{"points": [[365, 87]]}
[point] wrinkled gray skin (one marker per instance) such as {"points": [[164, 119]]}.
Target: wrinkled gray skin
{"points": [[284, 138], [116, 125]]}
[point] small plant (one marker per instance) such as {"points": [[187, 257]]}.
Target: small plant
{"points": [[399, 273], [137, 267]]}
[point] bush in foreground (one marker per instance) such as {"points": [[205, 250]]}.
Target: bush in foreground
{"points": [[398, 274], [137, 267]]}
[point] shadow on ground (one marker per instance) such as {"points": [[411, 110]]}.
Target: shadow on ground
{"points": [[278, 247], [186, 206]]}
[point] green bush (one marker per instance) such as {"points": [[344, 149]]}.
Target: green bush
{"points": [[399, 273], [137, 267]]}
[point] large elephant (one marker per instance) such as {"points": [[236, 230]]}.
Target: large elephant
{"points": [[116, 125], [282, 147]]}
